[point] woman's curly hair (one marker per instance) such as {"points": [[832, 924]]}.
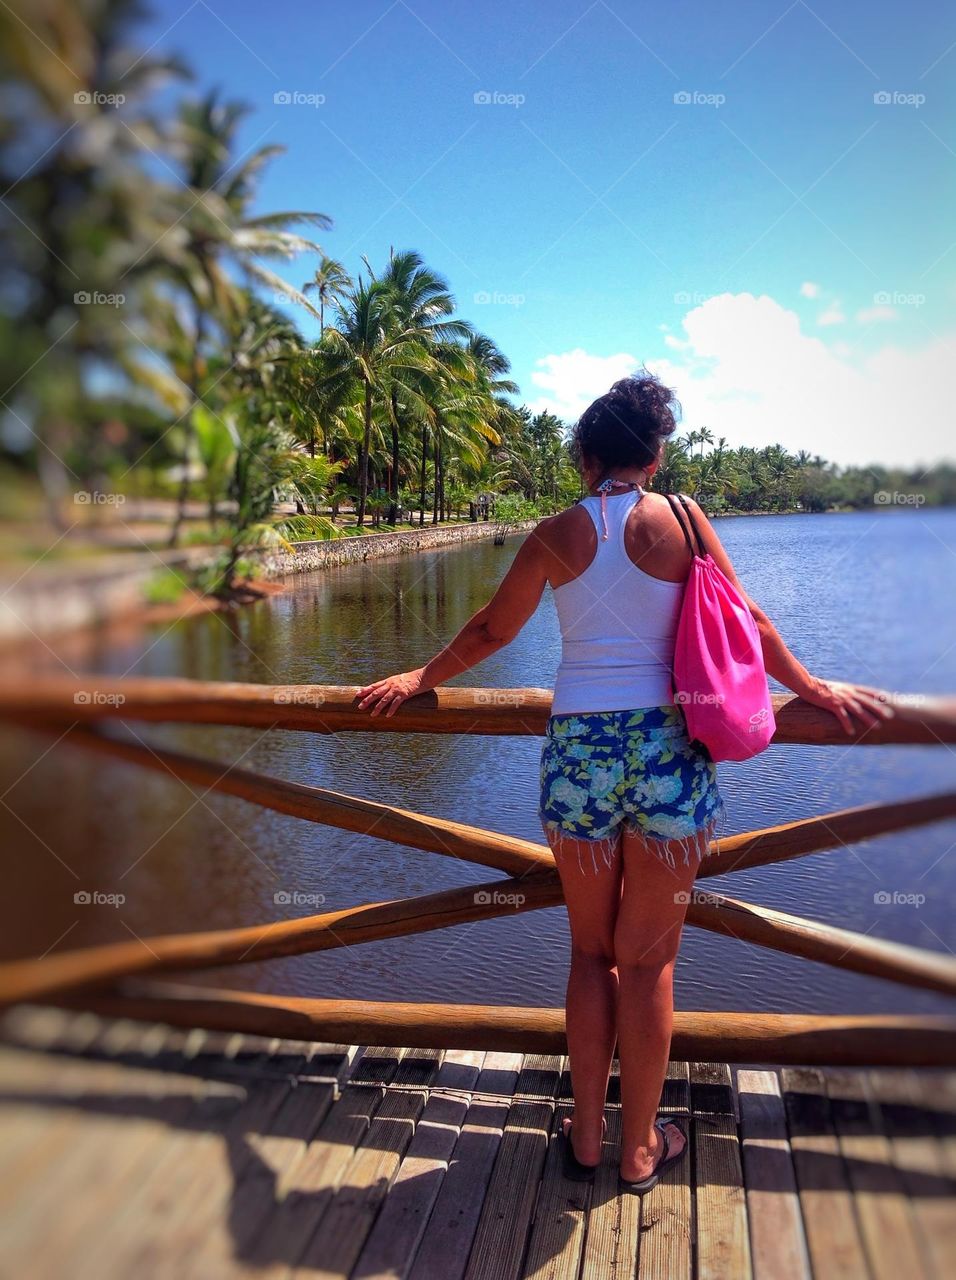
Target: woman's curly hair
{"points": [[628, 424]]}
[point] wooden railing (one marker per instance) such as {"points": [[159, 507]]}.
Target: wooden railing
{"points": [[120, 977]]}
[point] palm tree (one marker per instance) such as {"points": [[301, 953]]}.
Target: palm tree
{"points": [[671, 475], [329, 284], [780, 466], [83, 215], [422, 306], [215, 230], [323, 405], [381, 354]]}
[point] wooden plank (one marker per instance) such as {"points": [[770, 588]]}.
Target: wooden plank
{"points": [[33, 1130], [913, 1111], [137, 1222], [777, 1243], [723, 1243], [304, 1194], [665, 1213], [883, 1210], [394, 1239], [557, 1234], [273, 1155], [498, 1249], [450, 1230], [121, 1132], [614, 1220], [826, 1199], [145, 1216], [207, 1182], [337, 1241]]}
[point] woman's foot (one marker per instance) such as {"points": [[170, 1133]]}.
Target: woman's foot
{"points": [[644, 1164], [589, 1151]]}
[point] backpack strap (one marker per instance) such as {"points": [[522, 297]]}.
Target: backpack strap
{"points": [[693, 524], [672, 501]]}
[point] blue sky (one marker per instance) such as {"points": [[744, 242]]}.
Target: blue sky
{"points": [[717, 191]]}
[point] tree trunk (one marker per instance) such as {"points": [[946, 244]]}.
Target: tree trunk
{"points": [[194, 376], [363, 460], [393, 486], [421, 505], [437, 456]]}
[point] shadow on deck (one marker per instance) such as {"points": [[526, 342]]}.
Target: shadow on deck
{"points": [[146, 1151]]}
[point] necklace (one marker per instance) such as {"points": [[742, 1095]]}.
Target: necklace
{"points": [[604, 488]]}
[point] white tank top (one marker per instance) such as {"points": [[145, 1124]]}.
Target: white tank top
{"points": [[618, 626]]}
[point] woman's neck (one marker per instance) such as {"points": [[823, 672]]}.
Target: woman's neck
{"points": [[620, 484]]}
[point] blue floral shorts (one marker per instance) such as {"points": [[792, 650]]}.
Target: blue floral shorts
{"points": [[601, 770]]}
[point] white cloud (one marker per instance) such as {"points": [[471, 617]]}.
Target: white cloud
{"points": [[876, 315], [571, 380], [751, 374], [832, 315], [809, 290]]}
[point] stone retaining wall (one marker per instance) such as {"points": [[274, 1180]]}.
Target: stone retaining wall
{"points": [[319, 555]]}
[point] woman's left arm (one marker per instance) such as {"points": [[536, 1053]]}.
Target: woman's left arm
{"points": [[489, 630]]}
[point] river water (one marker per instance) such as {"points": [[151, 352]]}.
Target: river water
{"points": [[862, 596]]}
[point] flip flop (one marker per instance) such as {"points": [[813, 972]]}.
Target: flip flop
{"points": [[665, 1161], [573, 1168]]}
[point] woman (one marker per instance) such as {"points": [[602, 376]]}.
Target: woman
{"points": [[628, 803]]}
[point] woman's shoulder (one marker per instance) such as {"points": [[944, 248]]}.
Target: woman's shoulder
{"points": [[564, 521]]}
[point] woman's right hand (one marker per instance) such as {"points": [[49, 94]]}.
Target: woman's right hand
{"points": [[850, 703]]}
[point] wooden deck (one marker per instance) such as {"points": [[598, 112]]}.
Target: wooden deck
{"points": [[131, 1150]]}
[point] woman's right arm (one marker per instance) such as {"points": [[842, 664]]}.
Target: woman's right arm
{"points": [[845, 700]]}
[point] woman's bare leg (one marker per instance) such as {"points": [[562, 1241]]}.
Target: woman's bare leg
{"points": [[592, 891], [646, 941]]}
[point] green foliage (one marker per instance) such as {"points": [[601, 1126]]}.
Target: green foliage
{"points": [[166, 586], [511, 509]]}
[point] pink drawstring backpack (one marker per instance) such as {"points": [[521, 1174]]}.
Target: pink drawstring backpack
{"points": [[720, 682]]}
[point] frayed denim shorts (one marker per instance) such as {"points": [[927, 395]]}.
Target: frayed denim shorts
{"points": [[602, 771]]}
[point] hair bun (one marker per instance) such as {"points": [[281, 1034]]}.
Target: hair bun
{"points": [[628, 424]]}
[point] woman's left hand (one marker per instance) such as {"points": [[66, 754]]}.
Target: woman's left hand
{"points": [[388, 695]]}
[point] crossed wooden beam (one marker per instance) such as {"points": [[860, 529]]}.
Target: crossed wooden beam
{"points": [[111, 977]]}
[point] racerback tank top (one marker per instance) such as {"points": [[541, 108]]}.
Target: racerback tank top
{"points": [[618, 626]]}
